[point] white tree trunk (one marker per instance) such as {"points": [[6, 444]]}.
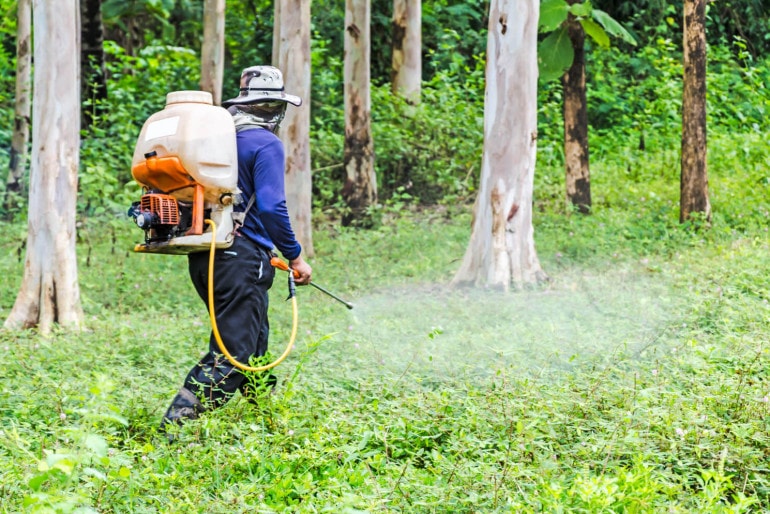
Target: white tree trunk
{"points": [[406, 72], [360, 189], [276, 32], [18, 158], [501, 251], [293, 53], [213, 50], [49, 291]]}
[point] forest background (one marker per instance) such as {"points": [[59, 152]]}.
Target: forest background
{"points": [[635, 381]]}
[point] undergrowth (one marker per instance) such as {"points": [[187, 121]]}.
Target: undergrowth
{"points": [[635, 380]]}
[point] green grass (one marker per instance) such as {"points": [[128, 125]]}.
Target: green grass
{"points": [[634, 381]]}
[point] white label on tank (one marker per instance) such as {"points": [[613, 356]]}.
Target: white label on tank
{"points": [[161, 128]]}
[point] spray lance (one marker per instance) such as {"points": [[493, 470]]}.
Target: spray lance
{"points": [[280, 264]]}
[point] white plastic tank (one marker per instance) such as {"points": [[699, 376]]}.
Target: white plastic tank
{"points": [[200, 134]]}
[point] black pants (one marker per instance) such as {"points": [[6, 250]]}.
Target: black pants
{"points": [[242, 277]]}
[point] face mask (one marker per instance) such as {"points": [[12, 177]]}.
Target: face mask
{"points": [[267, 114]]}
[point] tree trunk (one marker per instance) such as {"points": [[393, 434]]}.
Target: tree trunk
{"points": [[276, 32], [406, 71], [213, 50], [501, 251], [93, 87], [49, 290], [694, 197], [18, 157], [360, 189], [294, 61], [577, 173]]}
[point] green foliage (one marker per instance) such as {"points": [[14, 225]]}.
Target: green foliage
{"points": [[635, 381], [644, 98], [555, 53], [453, 31], [648, 20], [179, 21], [426, 154], [253, 22], [432, 151]]}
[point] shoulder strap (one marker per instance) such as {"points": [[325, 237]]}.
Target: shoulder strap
{"points": [[240, 217]]}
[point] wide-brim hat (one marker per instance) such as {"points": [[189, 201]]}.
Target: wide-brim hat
{"points": [[262, 84]]}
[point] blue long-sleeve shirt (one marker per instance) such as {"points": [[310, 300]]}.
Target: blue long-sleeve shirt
{"points": [[261, 171]]}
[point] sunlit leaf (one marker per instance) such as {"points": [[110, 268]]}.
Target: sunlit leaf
{"points": [[613, 27], [552, 14], [596, 33], [580, 10], [96, 444]]}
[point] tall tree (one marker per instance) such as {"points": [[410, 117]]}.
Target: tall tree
{"points": [[93, 86], [694, 197], [213, 49], [360, 189], [406, 69], [20, 138], [277, 4], [501, 251], [562, 54], [49, 290], [293, 59], [574, 111]]}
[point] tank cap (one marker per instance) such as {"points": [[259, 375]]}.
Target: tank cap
{"points": [[196, 97]]}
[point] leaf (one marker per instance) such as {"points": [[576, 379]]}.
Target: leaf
{"points": [[581, 10], [552, 14], [612, 26], [596, 32], [555, 54], [96, 444], [95, 473], [36, 481]]}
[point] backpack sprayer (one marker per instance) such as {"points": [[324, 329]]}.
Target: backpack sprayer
{"points": [[186, 161]]}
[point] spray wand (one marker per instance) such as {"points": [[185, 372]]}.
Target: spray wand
{"points": [[280, 264]]}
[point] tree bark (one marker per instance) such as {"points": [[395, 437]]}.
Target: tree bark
{"points": [[406, 69], [94, 78], [360, 189], [293, 52], [276, 31], [213, 50], [20, 138], [49, 290], [577, 173], [501, 251], [694, 197]]}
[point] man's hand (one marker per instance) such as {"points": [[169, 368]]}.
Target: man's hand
{"points": [[302, 269]]}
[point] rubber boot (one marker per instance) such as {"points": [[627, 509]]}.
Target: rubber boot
{"points": [[184, 406]]}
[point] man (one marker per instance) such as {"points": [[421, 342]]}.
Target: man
{"points": [[242, 272]]}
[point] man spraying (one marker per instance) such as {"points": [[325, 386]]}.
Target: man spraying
{"points": [[243, 273]]}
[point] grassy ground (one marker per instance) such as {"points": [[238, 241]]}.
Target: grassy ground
{"points": [[634, 381]]}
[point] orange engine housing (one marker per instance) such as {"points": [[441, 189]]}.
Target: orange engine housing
{"points": [[165, 207]]}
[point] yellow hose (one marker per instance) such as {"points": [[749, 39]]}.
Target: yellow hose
{"points": [[215, 329]]}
